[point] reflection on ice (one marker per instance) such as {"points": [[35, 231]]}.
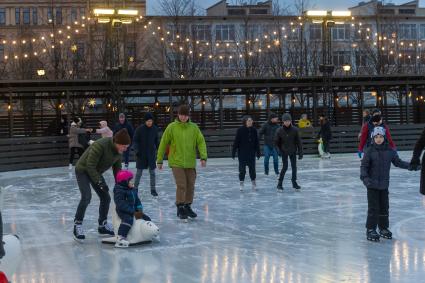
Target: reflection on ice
{"points": [[316, 235]]}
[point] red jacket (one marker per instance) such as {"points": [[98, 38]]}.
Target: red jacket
{"points": [[367, 129]]}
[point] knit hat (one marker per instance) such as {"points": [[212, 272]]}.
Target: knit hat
{"points": [[103, 124], [184, 110], [245, 118], [273, 115], [148, 116], [73, 124], [124, 176], [122, 137], [378, 131], [376, 110], [286, 117]]}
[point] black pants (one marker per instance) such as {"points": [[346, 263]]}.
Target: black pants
{"points": [[126, 223], [84, 183], [325, 145], [377, 210], [293, 158], [242, 169], [73, 151]]}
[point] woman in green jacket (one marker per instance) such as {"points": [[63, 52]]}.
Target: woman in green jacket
{"points": [[183, 137]]}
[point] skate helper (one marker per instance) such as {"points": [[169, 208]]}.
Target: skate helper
{"points": [[183, 138], [288, 141], [127, 205], [375, 174], [98, 158], [415, 162], [145, 144], [124, 124], [268, 130], [248, 147]]}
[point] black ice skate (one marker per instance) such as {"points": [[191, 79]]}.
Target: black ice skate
{"points": [[154, 193], [189, 212], [279, 188], [372, 235], [106, 229], [181, 212], [79, 233], [295, 185], [385, 233]]}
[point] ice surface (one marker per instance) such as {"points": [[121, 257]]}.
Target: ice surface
{"points": [[315, 235]]}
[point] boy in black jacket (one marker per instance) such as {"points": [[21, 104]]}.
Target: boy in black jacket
{"points": [[375, 174]]}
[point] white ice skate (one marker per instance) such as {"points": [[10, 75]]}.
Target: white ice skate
{"points": [[254, 185], [70, 166], [122, 242], [241, 185]]}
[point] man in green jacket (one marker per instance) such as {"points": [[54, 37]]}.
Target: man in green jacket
{"points": [[98, 158], [183, 137]]}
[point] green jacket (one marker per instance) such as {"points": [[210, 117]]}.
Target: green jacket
{"points": [[183, 139], [98, 158]]}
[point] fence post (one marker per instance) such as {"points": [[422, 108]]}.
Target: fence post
{"points": [[315, 122], [220, 106], [407, 105], [170, 105], [10, 109], [268, 102]]}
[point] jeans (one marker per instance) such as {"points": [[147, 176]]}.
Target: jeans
{"points": [[84, 183], [139, 174], [271, 151], [377, 209], [242, 170], [293, 158]]}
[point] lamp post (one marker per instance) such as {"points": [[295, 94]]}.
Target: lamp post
{"points": [[346, 68], [327, 19], [115, 18]]}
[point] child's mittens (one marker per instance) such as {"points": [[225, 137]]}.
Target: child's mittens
{"points": [[138, 214]]}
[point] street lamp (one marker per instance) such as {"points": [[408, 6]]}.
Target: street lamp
{"points": [[346, 68], [41, 72]]}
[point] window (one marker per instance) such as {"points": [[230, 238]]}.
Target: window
{"points": [[341, 32], [225, 33], [177, 30], [422, 31], [407, 31], [82, 12], [74, 15], [26, 14], [406, 11], [34, 16], [341, 57], [1, 51], [202, 32], [315, 32], [80, 50], [59, 16], [389, 30], [50, 14], [363, 31], [2, 16], [258, 11], [387, 11], [17, 16], [254, 31], [237, 12], [131, 49], [294, 34], [361, 59]]}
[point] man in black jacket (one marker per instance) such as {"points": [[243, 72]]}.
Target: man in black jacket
{"points": [[269, 130], [145, 144], [288, 141], [415, 163]]}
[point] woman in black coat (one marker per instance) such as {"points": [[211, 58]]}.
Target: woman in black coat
{"points": [[415, 163], [247, 145], [145, 144], [325, 133]]}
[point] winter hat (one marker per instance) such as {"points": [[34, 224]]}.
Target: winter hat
{"points": [[73, 124], [124, 176], [376, 118], [184, 110], [273, 115], [122, 115], [103, 124], [148, 116], [122, 137], [286, 117], [378, 131], [245, 118]]}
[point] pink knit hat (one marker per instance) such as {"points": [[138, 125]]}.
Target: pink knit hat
{"points": [[124, 175]]}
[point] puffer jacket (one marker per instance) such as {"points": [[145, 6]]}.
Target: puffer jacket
{"points": [[288, 141], [376, 165], [126, 200]]}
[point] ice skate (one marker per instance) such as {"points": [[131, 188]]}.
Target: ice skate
{"points": [[79, 233], [254, 185], [189, 212], [371, 235], [295, 185], [385, 233], [70, 166], [106, 229], [122, 242], [154, 193], [181, 213], [279, 188], [241, 185]]}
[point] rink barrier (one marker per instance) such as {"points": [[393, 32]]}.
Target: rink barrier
{"points": [[42, 152]]}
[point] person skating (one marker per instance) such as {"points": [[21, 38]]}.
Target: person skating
{"points": [[127, 205], [415, 162], [247, 146], [367, 129], [99, 157], [123, 123], [183, 137], [375, 174], [288, 141], [104, 130], [304, 122], [74, 145], [145, 144], [325, 134], [268, 130]]}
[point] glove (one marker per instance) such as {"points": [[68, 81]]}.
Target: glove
{"points": [[360, 153], [138, 214], [300, 157], [414, 167], [102, 185]]}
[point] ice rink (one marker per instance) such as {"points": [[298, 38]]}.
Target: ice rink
{"points": [[315, 235]]}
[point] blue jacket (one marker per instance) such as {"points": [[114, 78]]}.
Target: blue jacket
{"points": [[376, 165], [126, 200]]}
